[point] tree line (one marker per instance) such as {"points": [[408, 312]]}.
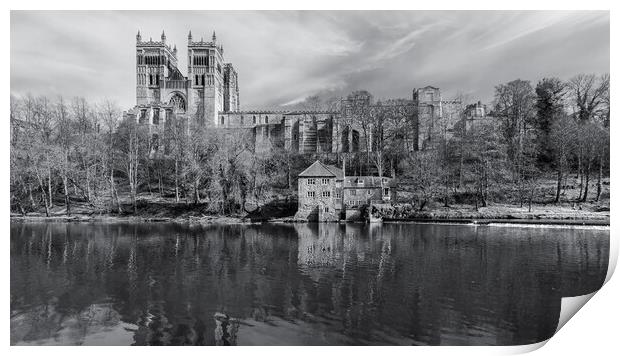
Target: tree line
{"points": [[533, 134], [73, 153]]}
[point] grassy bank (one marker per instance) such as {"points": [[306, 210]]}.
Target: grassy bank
{"points": [[280, 211], [152, 208], [500, 211]]}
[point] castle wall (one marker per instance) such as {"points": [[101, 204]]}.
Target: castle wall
{"points": [[303, 132]]}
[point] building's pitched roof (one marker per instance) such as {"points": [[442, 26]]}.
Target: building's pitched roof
{"points": [[337, 171], [318, 169]]}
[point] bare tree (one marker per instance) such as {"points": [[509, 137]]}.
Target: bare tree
{"points": [[64, 127], [358, 107], [109, 115], [562, 136], [514, 104], [588, 94]]}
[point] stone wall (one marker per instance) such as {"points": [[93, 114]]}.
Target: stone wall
{"points": [[313, 207], [353, 215]]}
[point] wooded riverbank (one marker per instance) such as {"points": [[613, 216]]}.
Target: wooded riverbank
{"points": [[284, 212]]}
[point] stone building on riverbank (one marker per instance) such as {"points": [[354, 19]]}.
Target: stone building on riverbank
{"points": [[319, 193], [326, 194]]}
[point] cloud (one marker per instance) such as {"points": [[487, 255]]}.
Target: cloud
{"points": [[284, 56]]}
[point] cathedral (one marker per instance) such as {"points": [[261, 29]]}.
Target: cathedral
{"points": [[209, 96]]}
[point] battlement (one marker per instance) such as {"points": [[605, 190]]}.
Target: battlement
{"points": [[172, 51], [281, 112], [204, 44], [257, 112], [200, 43]]}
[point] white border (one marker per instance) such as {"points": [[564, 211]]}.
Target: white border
{"points": [[593, 329]]}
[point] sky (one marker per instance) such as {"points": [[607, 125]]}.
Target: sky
{"points": [[282, 57]]}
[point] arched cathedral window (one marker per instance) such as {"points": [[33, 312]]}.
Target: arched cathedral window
{"points": [[155, 116], [178, 103]]}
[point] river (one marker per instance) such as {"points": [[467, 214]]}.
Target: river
{"points": [[296, 284]]}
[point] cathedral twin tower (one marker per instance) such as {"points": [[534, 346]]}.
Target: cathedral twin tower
{"points": [[209, 96], [161, 89]]}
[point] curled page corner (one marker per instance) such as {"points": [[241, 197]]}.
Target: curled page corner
{"points": [[521, 349], [570, 306], [613, 259]]}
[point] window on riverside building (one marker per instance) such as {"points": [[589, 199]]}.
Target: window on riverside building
{"points": [[222, 121], [326, 194], [353, 192], [311, 194], [324, 181], [254, 119], [326, 209], [241, 120], [311, 181]]}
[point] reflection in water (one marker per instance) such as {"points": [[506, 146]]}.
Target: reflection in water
{"points": [[330, 284]]}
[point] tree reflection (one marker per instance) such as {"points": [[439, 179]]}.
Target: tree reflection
{"points": [[169, 284]]}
